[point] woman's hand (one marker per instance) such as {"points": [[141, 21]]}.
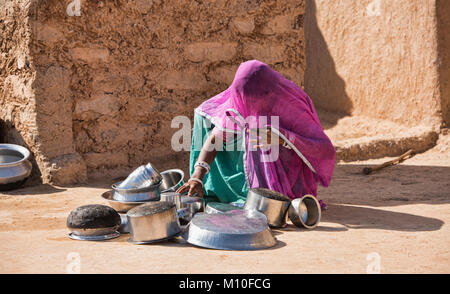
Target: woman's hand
{"points": [[193, 187], [266, 142]]}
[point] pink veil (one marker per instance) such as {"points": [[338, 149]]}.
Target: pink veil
{"points": [[259, 92]]}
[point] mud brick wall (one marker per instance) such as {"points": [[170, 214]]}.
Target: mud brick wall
{"points": [[386, 59], [94, 95]]}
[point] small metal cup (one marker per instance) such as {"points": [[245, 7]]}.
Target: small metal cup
{"points": [[305, 212]]}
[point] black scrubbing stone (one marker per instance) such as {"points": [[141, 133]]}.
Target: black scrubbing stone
{"points": [[271, 194], [150, 208], [93, 216]]}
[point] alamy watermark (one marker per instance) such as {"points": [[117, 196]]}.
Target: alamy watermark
{"points": [[231, 136], [374, 260], [73, 265], [374, 8], [74, 8]]}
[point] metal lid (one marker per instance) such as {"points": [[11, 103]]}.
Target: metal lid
{"points": [[218, 207]]}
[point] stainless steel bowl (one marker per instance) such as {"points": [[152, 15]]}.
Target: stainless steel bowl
{"points": [[120, 206], [218, 207], [272, 204], [305, 212], [150, 193], [14, 164], [234, 230], [172, 179], [153, 222]]}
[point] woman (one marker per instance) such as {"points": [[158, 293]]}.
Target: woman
{"points": [[291, 155]]}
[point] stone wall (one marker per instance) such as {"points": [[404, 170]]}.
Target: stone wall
{"points": [[379, 58], [94, 95]]}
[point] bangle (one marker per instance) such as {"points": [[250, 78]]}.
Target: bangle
{"points": [[197, 180], [202, 164]]}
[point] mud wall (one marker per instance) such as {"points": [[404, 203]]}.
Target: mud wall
{"points": [[104, 81], [443, 19], [375, 58]]}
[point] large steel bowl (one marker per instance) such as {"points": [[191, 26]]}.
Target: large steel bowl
{"points": [[272, 204], [14, 165], [172, 179], [150, 193], [120, 206], [234, 230]]}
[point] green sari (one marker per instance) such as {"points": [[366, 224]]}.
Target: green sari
{"points": [[225, 181]]}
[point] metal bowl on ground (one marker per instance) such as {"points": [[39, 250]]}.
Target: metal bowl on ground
{"points": [[172, 179], [153, 222], [234, 230], [273, 205], [218, 207], [93, 222], [150, 193], [120, 206], [305, 212], [15, 167]]}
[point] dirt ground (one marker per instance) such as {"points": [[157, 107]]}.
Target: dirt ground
{"points": [[397, 218]]}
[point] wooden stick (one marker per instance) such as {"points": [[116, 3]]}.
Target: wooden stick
{"points": [[408, 154]]}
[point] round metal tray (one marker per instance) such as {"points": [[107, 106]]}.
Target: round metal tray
{"points": [[233, 230], [94, 238]]}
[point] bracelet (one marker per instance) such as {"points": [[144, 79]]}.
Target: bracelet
{"points": [[197, 180], [202, 164]]}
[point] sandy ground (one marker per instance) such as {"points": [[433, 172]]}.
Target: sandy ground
{"points": [[397, 218]]}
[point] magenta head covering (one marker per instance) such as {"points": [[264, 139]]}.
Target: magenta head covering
{"points": [[258, 92]]}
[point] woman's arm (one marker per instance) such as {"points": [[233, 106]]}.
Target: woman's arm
{"points": [[207, 154]]}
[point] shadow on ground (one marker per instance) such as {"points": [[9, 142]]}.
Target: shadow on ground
{"points": [[353, 217], [392, 186]]}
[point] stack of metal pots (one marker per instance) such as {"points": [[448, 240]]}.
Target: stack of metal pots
{"points": [[144, 197]]}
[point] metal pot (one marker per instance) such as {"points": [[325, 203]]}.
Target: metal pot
{"points": [[120, 206], [153, 222], [171, 197], [273, 204], [151, 193], [172, 179], [14, 165], [305, 212]]}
